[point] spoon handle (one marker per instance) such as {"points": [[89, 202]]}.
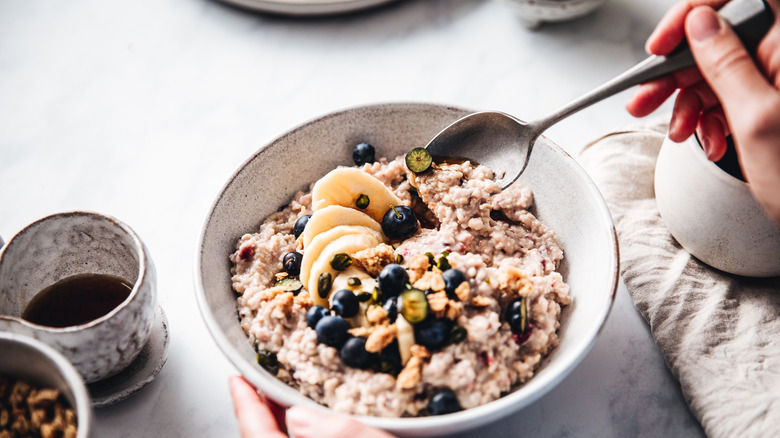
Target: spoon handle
{"points": [[750, 19]]}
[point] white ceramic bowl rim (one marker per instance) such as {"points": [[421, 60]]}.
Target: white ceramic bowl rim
{"points": [[83, 407], [555, 370], [138, 246]]}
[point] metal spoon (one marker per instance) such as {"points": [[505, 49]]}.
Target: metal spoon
{"points": [[504, 143]]}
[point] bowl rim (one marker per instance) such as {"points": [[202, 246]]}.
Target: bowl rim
{"points": [[83, 407], [529, 392], [138, 248]]}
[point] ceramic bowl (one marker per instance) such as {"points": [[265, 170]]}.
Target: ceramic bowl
{"points": [[712, 214], [535, 12], [566, 200], [34, 362], [80, 242]]}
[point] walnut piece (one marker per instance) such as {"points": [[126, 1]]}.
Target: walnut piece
{"points": [[512, 280], [380, 338], [372, 260]]}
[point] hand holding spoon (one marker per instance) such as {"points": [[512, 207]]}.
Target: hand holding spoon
{"points": [[504, 143]]}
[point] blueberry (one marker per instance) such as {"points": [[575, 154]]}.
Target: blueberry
{"points": [[399, 223], [392, 280], [433, 334], [292, 263], [390, 359], [443, 402], [452, 279], [517, 315], [315, 314], [345, 303], [353, 353], [332, 331], [391, 306], [300, 224], [363, 153]]}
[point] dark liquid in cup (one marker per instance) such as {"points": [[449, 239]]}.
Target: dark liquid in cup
{"points": [[77, 300]]}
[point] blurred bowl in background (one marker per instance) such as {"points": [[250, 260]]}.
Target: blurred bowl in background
{"points": [[535, 12]]}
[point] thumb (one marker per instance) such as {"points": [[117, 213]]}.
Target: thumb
{"points": [[308, 423], [724, 62]]}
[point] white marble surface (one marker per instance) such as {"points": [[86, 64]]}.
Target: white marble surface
{"points": [[142, 109]]}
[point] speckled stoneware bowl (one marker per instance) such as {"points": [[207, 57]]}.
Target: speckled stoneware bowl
{"points": [[79, 242], [34, 362], [566, 200], [535, 12], [712, 214]]}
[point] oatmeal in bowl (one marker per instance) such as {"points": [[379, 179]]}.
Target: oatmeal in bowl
{"points": [[388, 292], [419, 297]]}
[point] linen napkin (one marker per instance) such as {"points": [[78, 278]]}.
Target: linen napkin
{"points": [[719, 334]]}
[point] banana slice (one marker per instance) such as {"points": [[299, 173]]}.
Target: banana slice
{"points": [[405, 333], [334, 215], [344, 185], [318, 243], [348, 244]]}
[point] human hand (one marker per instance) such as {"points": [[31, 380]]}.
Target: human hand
{"points": [[727, 93], [259, 417]]}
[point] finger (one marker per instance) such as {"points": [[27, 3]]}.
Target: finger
{"points": [[651, 95], [768, 51], [712, 133], [670, 31], [726, 65], [255, 419], [689, 105], [308, 423]]}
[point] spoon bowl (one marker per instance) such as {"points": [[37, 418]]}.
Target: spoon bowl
{"points": [[499, 140]]}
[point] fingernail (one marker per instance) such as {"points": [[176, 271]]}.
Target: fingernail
{"points": [[703, 24], [706, 145], [298, 417]]}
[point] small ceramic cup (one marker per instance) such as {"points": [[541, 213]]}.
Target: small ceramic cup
{"points": [[72, 243], [712, 214], [37, 364]]}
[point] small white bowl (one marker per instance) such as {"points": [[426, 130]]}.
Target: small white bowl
{"points": [[36, 363], [565, 199], [535, 12], [712, 214]]}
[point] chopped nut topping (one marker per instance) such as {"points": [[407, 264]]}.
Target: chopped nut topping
{"points": [[280, 275], [430, 280], [513, 281], [482, 301], [437, 302], [361, 332], [376, 314], [381, 337], [411, 375], [418, 266], [420, 351], [372, 260], [442, 306], [30, 411], [463, 290]]}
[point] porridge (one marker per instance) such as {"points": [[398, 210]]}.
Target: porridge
{"points": [[402, 287]]}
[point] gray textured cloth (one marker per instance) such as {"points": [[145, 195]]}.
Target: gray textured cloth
{"points": [[720, 334]]}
